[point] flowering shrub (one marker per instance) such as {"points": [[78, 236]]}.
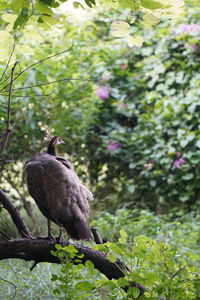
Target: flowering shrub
{"points": [[125, 127], [166, 261], [113, 146], [103, 92], [151, 117]]}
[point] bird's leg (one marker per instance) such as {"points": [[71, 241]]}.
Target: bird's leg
{"points": [[60, 238], [50, 236]]}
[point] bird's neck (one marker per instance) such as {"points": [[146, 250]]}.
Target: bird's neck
{"points": [[51, 149]]}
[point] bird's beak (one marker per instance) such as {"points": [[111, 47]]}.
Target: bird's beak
{"points": [[62, 142]]}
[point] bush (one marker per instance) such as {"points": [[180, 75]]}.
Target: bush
{"points": [[166, 262]]}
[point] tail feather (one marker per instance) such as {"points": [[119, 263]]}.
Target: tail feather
{"points": [[78, 229]]}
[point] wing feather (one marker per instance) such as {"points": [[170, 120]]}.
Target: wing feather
{"points": [[59, 194]]}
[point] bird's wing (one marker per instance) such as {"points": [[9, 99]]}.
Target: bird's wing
{"points": [[32, 174], [62, 192], [74, 177]]}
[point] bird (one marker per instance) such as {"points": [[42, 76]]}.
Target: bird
{"points": [[58, 192]]}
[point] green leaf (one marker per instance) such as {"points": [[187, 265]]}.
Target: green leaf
{"points": [[80, 266], [135, 41], [150, 19], [71, 248], [120, 29], [25, 49], [22, 19], [5, 38], [134, 5], [78, 5], [111, 257], [122, 241], [84, 286], [58, 247], [131, 188], [9, 18], [43, 9], [101, 247], [151, 4], [188, 176], [123, 233], [184, 198], [133, 292], [115, 248], [123, 282], [90, 3], [47, 2], [54, 277], [89, 265]]}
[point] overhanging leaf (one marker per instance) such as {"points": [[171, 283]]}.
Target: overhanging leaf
{"points": [[135, 41], [120, 29], [151, 4], [9, 18], [150, 19]]}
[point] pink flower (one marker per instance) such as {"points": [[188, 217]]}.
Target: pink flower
{"points": [[137, 77], [186, 28], [123, 66], [178, 162], [123, 105], [103, 92], [113, 146], [194, 47], [148, 166]]}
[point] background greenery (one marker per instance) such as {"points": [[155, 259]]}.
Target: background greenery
{"points": [[132, 132]]}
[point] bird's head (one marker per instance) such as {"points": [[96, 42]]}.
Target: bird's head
{"points": [[54, 141]]}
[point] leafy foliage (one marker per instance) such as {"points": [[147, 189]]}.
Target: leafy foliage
{"points": [[167, 264], [133, 130]]}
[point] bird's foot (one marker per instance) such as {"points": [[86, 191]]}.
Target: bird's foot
{"points": [[60, 238]]}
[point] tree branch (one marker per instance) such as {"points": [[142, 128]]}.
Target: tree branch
{"points": [[39, 250], [8, 130], [15, 215], [55, 81], [38, 62], [9, 59]]}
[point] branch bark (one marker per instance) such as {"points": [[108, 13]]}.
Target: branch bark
{"points": [[15, 215], [40, 249]]}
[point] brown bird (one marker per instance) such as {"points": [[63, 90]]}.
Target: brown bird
{"points": [[58, 192]]}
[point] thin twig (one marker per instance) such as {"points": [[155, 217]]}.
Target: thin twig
{"points": [[5, 234], [179, 270], [18, 108], [28, 96], [33, 8], [15, 288], [5, 161], [8, 130], [46, 83], [38, 62], [33, 266], [11, 54]]}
